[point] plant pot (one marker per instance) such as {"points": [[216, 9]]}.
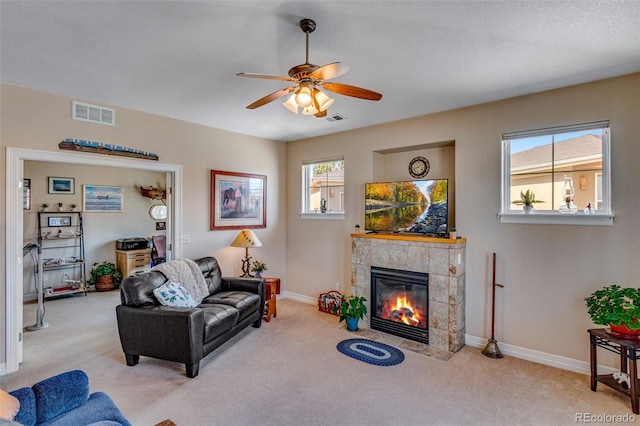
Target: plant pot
{"points": [[527, 209], [105, 283], [624, 331], [352, 324]]}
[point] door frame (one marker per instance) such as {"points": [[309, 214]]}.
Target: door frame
{"points": [[15, 158]]}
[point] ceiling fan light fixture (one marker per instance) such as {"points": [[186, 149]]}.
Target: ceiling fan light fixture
{"points": [[304, 96], [323, 101], [310, 110], [291, 104]]}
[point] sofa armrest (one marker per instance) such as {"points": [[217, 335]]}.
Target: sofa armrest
{"points": [[170, 333], [252, 285]]}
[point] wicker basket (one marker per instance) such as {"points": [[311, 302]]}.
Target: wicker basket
{"points": [[105, 283]]}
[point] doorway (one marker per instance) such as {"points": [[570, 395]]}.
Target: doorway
{"points": [[14, 228]]}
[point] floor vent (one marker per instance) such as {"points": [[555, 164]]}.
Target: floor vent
{"points": [[93, 113], [335, 117]]}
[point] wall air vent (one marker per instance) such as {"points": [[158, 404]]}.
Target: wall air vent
{"points": [[93, 113], [335, 117]]}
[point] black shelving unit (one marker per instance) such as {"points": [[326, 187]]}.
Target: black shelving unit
{"points": [[61, 237]]}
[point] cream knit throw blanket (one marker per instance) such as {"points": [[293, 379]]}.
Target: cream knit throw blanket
{"points": [[188, 274]]}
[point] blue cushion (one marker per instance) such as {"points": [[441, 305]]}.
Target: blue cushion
{"points": [[60, 393], [27, 413], [99, 409]]}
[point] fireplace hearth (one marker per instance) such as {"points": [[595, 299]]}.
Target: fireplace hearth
{"points": [[400, 303]]}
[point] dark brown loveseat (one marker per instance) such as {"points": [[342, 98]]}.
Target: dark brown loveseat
{"points": [[186, 334]]}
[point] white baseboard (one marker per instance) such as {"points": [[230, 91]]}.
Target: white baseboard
{"points": [[544, 358]]}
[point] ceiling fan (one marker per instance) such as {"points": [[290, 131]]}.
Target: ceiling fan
{"points": [[308, 78]]}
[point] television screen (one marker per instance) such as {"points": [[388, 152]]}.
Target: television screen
{"points": [[419, 206]]}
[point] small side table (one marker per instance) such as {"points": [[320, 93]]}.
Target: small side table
{"points": [[272, 288], [628, 351]]}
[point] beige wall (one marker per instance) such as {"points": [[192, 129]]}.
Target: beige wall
{"points": [[547, 270], [37, 120]]}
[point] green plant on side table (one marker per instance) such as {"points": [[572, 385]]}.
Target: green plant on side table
{"points": [[258, 268], [105, 276], [617, 307], [352, 309]]}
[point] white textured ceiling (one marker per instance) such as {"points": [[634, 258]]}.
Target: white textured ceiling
{"points": [[180, 59]]}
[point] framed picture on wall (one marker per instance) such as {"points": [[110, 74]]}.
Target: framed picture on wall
{"points": [[238, 200], [62, 185], [102, 198], [26, 194]]}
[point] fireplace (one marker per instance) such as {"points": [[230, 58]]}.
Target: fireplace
{"points": [[443, 260], [400, 303]]}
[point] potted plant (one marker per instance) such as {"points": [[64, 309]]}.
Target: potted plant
{"points": [[60, 207], [357, 229], [105, 276], [73, 207], [452, 233], [526, 200], [45, 206], [258, 268], [352, 309], [617, 307]]}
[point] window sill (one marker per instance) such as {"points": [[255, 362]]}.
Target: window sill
{"points": [[328, 215], [578, 218]]}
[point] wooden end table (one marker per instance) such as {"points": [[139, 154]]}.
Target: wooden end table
{"points": [[628, 351], [272, 288]]}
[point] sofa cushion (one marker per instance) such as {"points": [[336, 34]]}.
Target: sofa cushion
{"points": [[211, 272], [246, 303], [174, 294], [218, 319], [60, 393], [27, 413]]}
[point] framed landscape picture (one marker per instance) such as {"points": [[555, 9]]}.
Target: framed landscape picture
{"points": [[102, 198], [238, 200], [62, 185]]}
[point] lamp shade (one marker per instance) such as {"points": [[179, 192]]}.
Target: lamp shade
{"points": [[304, 95], [9, 406], [291, 104], [323, 100], [246, 238]]}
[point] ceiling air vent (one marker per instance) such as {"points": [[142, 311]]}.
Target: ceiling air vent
{"points": [[93, 113], [335, 117]]}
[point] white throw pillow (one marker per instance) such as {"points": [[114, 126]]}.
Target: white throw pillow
{"points": [[172, 293]]}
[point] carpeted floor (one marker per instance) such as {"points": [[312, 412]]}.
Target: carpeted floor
{"points": [[289, 372]]}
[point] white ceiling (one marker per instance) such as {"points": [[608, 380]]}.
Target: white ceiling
{"points": [[180, 59]]}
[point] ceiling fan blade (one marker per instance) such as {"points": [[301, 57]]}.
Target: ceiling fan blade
{"points": [[265, 76], [329, 71], [271, 97], [353, 91]]}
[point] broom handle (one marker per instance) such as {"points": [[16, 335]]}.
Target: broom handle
{"points": [[493, 297]]}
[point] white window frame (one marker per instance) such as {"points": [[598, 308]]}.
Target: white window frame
{"points": [[605, 216], [305, 212]]}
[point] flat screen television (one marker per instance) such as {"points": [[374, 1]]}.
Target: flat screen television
{"points": [[420, 206]]}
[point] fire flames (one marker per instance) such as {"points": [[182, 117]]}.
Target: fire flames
{"points": [[403, 311]]}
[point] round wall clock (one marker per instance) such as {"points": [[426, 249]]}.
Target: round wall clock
{"points": [[419, 167], [158, 212]]}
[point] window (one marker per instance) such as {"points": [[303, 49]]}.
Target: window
{"points": [[567, 169], [323, 188]]}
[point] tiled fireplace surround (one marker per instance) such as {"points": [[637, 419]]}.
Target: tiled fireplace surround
{"points": [[444, 261]]}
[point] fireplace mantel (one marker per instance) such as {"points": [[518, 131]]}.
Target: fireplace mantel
{"points": [[443, 259]]}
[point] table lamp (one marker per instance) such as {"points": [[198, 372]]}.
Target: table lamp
{"points": [[246, 238]]}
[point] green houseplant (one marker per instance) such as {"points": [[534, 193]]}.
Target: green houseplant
{"points": [[617, 307], [258, 268], [352, 309], [527, 199], [105, 276]]}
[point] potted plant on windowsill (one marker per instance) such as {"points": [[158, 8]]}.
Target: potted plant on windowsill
{"points": [[526, 201], [617, 307], [105, 276], [352, 309]]}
